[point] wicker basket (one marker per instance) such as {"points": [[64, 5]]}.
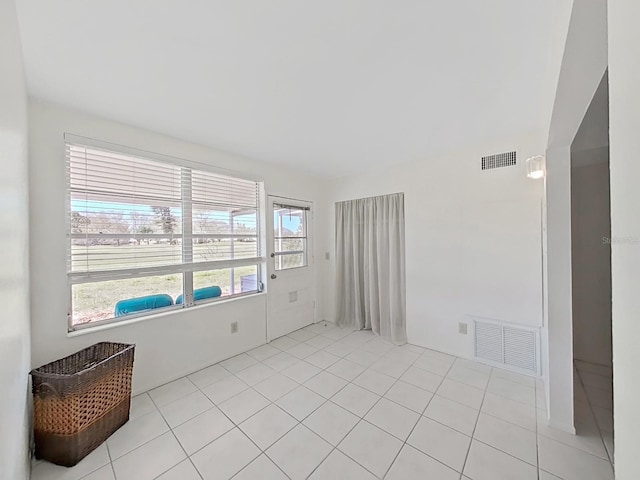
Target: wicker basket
{"points": [[79, 400]]}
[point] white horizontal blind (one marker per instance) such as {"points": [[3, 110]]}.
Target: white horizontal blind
{"points": [[187, 219], [225, 211]]}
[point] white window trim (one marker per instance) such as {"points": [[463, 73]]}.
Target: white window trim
{"points": [[308, 209], [75, 278]]}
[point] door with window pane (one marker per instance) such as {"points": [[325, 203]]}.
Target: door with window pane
{"points": [[291, 287]]}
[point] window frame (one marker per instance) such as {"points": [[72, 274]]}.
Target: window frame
{"points": [[305, 238], [186, 267]]}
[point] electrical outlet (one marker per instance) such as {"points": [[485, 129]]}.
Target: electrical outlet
{"points": [[462, 328], [327, 256], [234, 327]]}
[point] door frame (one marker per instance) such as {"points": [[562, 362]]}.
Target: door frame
{"points": [[270, 263]]}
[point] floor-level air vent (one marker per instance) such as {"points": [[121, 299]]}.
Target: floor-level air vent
{"points": [[507, 345], [498, 161]]}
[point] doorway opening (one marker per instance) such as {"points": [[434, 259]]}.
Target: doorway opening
{"points": [[591, 272]]}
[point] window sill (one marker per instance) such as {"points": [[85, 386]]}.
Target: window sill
{"points": [[145, 318]]}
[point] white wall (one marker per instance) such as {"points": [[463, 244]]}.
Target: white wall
{"points": [[14, 267], [472, 240], [560, 21], [624, 78], [591, 257], [558, 324], [169, 345]]}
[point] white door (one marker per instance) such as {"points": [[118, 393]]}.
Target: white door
{"points": [[290, 279]]}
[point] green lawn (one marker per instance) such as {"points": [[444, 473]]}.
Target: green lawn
{"points": [[96, 301]]}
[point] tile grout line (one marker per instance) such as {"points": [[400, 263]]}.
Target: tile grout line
{"points": [[396, 403], [173, 434], [444, 377], [187, 455], [419, 418], [262, 452], [358, 346], [225, 433], [144, 443], [299, 422], [606, 450], [170, 429], [361, 419], [381, 397], [480, 412], [327, 400], [113, 469], [101, 466], [353, 347], [473, 433]]}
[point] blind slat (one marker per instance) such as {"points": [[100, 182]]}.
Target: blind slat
{"points": [[126, 214], [82, 277]]}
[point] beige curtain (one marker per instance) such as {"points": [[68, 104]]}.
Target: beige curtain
{"points": [[370, 267]]}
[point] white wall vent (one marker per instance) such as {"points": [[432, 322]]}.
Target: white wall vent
{"points": [[499, 160], [508, 345]]}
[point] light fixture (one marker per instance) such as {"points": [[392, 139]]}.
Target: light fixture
{"points": [[535, 167]]}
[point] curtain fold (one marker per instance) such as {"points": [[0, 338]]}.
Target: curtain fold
{"points": [[370, 266]]}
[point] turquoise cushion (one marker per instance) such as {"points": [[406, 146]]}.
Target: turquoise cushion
{"points": [[133, 305], [202, 293]]}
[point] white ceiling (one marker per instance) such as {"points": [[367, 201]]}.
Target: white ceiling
{"points": [[331, 86]]}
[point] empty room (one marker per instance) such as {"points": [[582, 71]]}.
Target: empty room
{"points": [[319, 240]]}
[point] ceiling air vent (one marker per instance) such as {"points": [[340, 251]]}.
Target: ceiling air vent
{"points": [[499, 160]]}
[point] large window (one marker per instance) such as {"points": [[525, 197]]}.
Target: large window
{"points": [[146, 235]]}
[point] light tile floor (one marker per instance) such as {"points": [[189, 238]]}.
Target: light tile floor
{"points": [[326, 403], [594, 387]]}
